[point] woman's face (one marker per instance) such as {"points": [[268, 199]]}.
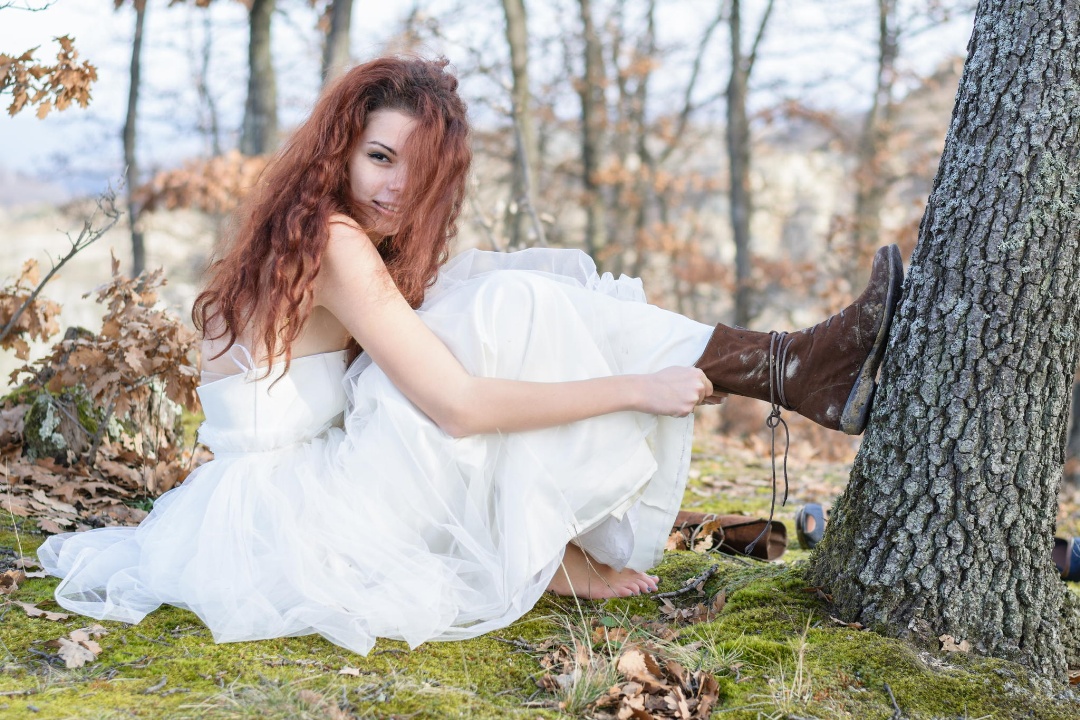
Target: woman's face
{"points": [[377, 166]]}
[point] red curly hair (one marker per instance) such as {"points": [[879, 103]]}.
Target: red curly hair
{"points": [[266, 276]]}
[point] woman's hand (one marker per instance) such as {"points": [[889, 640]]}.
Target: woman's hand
{"points": [[674, 391]]}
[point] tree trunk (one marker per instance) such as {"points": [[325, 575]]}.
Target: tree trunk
{"points": [[593, 120], [259, 134], [871, 180], [738, 148], [211, 127], [138, 246], [336, 53], [946, 525], [522, 208]]}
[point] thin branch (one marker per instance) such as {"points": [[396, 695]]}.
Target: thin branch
{"points": [[695, 71], [692, 584], [757, 38], [106, 203], [898, 714], [25, 7]]}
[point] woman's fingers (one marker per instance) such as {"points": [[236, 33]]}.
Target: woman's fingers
{"points": [[707, 386]]}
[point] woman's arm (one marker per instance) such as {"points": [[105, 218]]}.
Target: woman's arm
{"points": [[355, 286]]}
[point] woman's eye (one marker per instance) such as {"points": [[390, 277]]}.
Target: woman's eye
{"points": [[378, 156]]}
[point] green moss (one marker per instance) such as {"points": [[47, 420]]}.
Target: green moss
{"points": [[773, 648], [42, 436], [49, 431]]}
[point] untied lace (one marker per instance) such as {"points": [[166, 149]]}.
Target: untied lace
{"points": [[779, 344]]}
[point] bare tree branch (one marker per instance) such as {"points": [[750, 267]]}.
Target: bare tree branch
{"points": [[757, 38], [106, 204], [688, 106]]}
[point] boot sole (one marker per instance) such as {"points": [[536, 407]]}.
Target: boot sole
{"points": [[857, 408]]}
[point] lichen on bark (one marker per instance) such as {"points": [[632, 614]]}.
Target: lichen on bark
{"points": [[946, 525]]}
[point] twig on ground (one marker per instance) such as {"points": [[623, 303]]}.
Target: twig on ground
{"points": [[156, 686], [691, 584], [897, 712], [519, 643]]}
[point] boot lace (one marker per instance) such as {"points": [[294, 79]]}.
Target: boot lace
{"points": [[779, 344]]}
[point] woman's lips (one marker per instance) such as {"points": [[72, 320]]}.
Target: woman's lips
{"points": [[386, 209]]}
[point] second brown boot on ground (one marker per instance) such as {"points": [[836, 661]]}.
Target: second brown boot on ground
{"points": [[825, 373]]}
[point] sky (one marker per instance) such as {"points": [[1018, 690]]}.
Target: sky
{"points": [[808, 40]]}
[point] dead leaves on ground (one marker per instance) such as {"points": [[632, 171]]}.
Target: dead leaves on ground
{"points": [[696, 613], [10, 580], [650, 686], [655, 691], [105, 407], [34, 611], [79, 647], [73, 498]]}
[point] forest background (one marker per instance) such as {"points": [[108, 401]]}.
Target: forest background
{"points": [[633, 121], [744, 159]]}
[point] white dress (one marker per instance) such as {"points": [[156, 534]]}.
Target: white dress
{"points": [[334, 506]]}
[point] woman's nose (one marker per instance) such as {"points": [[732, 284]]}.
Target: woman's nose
{"points": [[397, 179]]}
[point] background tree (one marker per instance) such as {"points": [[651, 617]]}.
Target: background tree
{"points": [[872, 179], [738, 148], [209, 122], [946, 525], [878, 164], [523, 178], [591, 91], [131, 162], [259, 133], [337, 21]]}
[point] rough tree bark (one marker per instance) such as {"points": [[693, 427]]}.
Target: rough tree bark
{"points": [[523, 178], [336, 52], [946, 525], [738, 147], [260, 128], [593, 120], [131, 177]]}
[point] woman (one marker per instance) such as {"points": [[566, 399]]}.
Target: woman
{"points": [[527, 428]]}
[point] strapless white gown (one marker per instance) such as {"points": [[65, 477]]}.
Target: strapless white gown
{"points": [[334, 506]]}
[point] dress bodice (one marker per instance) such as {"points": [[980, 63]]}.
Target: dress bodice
{"points": [[254, 411]]}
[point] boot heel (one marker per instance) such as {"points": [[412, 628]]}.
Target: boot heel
{"points": [[857, 408]]}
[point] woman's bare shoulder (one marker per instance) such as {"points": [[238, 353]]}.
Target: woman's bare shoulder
{"points": [[350, 264], [343, 225]]}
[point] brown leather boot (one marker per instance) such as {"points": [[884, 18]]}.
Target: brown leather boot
{"points": [[825, 373]]}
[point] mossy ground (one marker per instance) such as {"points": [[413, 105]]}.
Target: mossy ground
{"points": [[774, 648]]}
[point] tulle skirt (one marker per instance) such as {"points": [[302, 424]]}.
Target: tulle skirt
{"points": [[379, 524]]}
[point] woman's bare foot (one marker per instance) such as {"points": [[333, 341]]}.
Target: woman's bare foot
{"points": [[584, 577]]}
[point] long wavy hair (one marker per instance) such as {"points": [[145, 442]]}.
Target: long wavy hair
{"points": [[265, 276]]}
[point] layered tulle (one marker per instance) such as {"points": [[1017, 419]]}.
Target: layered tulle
{"points": [[334, 506]]}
